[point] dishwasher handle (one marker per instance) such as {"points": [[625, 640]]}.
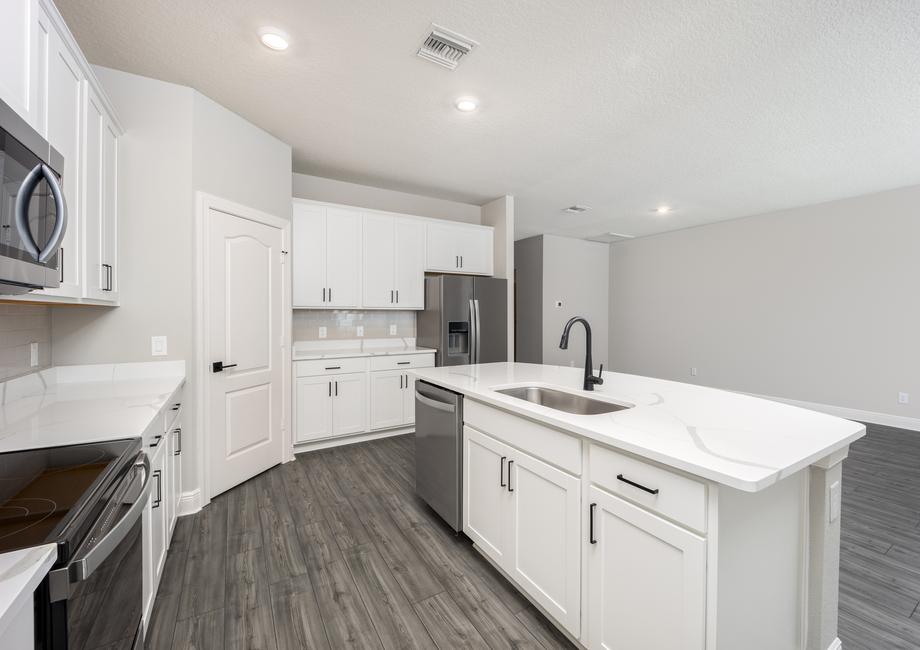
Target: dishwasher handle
{"points": [[435, 404]]}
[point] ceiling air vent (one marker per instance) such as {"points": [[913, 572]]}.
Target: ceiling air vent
{"points": [[610, 237], [445, 47]]}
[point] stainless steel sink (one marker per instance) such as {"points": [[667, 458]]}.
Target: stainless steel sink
{"points": [[562, 401]]}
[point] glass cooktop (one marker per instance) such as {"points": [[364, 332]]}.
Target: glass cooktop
{"points": [[42, 490]]}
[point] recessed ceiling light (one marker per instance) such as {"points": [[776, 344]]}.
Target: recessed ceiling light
{"points": [[576, 209], [663, 209], [273, 39], [466, 104]]}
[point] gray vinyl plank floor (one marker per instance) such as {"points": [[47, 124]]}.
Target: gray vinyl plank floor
{"points": [[334, 550]]}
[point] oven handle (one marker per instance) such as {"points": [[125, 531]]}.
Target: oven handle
{"points": [[26, 190], [83, 568]]}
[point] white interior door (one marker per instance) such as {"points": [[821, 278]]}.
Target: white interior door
{"points": [[245, 329]]}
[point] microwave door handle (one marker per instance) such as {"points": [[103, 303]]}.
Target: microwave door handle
{"points": [[23, 197], [60, 209], [83, 567]]}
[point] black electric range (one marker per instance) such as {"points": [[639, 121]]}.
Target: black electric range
{"points": [[88, 500]]}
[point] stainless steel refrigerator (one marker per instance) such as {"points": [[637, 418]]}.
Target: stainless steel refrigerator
{"points": [[465, 319]]}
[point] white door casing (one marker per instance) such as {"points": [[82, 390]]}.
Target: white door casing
{"points": [[245, 302]]}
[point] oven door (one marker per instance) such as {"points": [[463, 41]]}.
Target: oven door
{"points": [[96, 599], [33, 217]]}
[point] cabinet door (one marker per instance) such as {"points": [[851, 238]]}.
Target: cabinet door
{"points": [[646, 580], [349, 403], [486, 499], [546, 532], [95, 276], [110, 209], [64, 123], [379, 261], [408, 400], [475, 250], [309, 256], [387, 399], [173, 480], [441, 248], [410, 264], [313, 401], [17, 31], [343, 257], [158, 512]]}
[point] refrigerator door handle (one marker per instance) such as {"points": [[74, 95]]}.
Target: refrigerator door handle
{"points": [[478, 334], [474, 331]]}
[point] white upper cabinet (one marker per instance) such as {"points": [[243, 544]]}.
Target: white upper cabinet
{"points": [[459, 248], [394, 262], [326, 256], [100, 236], [19, 47]]}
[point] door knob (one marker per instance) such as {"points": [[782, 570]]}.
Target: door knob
{"points": [[218, 366]]}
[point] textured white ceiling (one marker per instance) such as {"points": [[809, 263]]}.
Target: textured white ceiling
{"points": [[721, 108]]}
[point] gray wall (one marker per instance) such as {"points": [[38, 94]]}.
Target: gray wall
{"points": [[20, 326], [576, 272], [528, 272], [818, 304], [374, 198], [548, 269]]}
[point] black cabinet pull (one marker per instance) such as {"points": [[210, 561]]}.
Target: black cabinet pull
{"points": [[397, 295], [391, 296], [407, 381], [176, 406], [501, 471], [330, 389], [179, 440], [591, 510], [330, 294], [333, 367], [510, 489], [61, 262], [400, 382], [620, 477], [461, 261], [403, 363], [324, 294], [156, 441], [336, 389]]}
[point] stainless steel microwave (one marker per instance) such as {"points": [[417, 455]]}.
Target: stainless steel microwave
{"points": [[33, 216]]}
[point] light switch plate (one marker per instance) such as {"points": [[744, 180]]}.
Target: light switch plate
{"points": [[33, 354], [359, 330], [903, 398], [322, 332], [392, 330], [158, 346]]}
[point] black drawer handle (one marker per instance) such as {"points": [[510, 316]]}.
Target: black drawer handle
{"points": [[156, 441], [501, 471], [591, 537], [510, 489], [334, 368], [403, 363], [620, 477]]}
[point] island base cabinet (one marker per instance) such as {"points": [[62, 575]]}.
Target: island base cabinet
{"points": [[646, 579], [546, 532], [486, 499]]}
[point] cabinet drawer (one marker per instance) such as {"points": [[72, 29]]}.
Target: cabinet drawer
{"points": [[329, 366], [173, 410], [678, 497], [402, 361]]}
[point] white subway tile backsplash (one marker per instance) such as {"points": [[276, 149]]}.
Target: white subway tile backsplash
{"points": [[20, 326], [343, 324]]}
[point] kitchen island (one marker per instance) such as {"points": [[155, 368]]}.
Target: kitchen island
{"points": [[689, 517]]}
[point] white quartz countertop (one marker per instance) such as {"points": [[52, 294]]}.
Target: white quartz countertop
{"points": [[76, 404], [740, 441], [20, 573], [310, 350]]}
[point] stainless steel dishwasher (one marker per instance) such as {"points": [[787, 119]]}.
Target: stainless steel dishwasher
{"points": [[439, 450]]}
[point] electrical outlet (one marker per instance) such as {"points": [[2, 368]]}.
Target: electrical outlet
{"points": [[693, 372], [322, 332], [392, 330], [359, 330], [33, 354], [834, 498], [158, 346], [903, 398]]}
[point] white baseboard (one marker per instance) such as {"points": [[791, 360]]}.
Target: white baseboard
{"points": [[327, 443], [189, 503], [885, 419]]}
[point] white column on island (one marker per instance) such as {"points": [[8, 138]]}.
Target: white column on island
{"points": [[825, 492]]}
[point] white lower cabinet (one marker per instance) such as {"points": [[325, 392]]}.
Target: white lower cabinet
{"points": [[330, 405], [155, 525], [646, 579], [392, 399], [525, 515]]}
